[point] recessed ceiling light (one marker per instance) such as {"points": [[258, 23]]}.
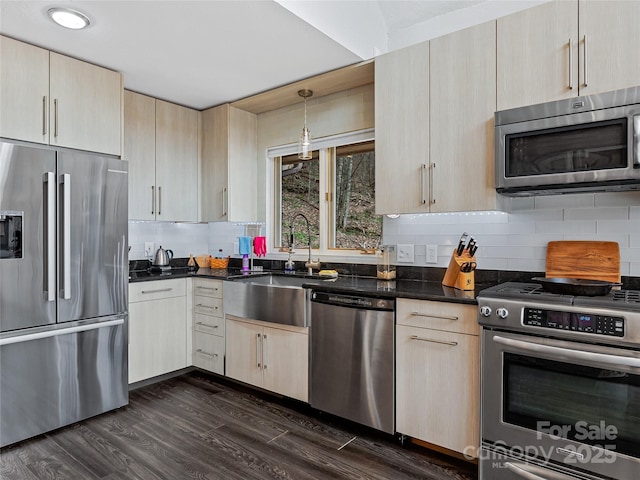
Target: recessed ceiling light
{"points": [[69, 18]]}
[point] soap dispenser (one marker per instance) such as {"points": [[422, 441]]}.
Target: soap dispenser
{"points": [[289, 267]]}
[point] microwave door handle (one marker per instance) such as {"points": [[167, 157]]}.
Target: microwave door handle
{"points": [[615, 360], [49, 181], [66, 236]]}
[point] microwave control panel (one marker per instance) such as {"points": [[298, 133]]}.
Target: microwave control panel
{"points": [[575, 322]]}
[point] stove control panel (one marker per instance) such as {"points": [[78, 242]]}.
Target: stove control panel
{"points": [[575, 321]]}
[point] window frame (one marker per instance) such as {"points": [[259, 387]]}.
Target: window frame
{"points": [[327, 151]]}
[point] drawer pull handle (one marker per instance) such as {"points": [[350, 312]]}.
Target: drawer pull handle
{"points": [[207, 288], [443, 317], [206, 325], [422, 339], [202, 352], [158, 290], [206, 306]]}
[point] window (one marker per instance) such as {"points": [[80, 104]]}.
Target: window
{"points": [[335, 191]]}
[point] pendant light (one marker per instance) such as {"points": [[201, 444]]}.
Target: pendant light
{"points": [[304, 144]]}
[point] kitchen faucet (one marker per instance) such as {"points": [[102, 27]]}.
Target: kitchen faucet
{"points": [[310, 264]]}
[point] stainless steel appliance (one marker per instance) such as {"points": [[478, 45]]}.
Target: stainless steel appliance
{"points": [[583, 144], [560, 384], [63, 288], [352, 358]]}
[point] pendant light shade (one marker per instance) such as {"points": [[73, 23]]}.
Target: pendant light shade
{"points": [[304, 143]]}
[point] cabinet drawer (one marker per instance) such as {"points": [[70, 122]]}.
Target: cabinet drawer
{"points": [[451, 317], [209, 324], [208, 352], [207, 288], [207, 305], [155, 290]]}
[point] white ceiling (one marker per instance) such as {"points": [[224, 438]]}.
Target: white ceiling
{"points": [[204, 53]]}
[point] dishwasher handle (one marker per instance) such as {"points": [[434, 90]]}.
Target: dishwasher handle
{"points": [[353, 301]]}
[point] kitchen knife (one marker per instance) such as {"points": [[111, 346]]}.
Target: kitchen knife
{"points": [[461, 244], [471, 246]]}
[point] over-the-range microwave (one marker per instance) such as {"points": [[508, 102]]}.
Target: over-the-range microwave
{"points": [[583, 144]]}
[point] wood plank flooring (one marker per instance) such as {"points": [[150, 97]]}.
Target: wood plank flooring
{"points": [[198, 427]]}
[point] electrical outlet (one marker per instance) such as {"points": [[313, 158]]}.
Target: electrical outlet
{"points": [[405, 253], [432, 254], [149, 247]]}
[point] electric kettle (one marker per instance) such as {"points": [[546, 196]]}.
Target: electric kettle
{"points": [[163, 257]]}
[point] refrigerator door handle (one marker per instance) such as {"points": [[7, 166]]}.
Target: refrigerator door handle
{"points": [[49, 236], [59, 331], [66, 236]]}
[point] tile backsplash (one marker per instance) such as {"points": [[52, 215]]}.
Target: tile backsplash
{"points": [[514, 241]]}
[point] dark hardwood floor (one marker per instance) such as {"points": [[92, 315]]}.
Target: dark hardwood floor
{"points": [[198, 427]]}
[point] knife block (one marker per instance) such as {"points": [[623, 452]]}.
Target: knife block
{"points": [[454, 277]]}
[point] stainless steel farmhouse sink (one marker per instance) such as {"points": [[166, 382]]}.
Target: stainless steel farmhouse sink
{"points": [[269, 298]]}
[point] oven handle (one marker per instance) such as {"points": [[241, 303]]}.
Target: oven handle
{"points": [[615, 360], [522, 473]]}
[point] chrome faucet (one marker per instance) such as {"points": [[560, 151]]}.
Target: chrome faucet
{"points": [[310, 263]]}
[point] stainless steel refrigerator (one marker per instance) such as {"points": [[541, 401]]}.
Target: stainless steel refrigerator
{"points": [[63, 288]]}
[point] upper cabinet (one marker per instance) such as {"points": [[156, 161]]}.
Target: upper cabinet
{"points": [[53, 99], [403, 169], [563, 49], [229, 156], [462, 106], [161, 145]]}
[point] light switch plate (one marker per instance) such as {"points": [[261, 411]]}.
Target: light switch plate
{"points": [[405, 253], [149, 247], [432, 254]]}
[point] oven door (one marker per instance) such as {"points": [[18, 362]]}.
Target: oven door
{"points": [[572, 404]]}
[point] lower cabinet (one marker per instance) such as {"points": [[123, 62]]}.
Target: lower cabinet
{"points": [[157, 328], [269, 356], [437, 374], [208, 325]]}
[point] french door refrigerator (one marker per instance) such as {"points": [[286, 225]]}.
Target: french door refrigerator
{"points": [[63, 288]]}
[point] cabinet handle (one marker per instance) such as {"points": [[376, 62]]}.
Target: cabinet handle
{"points": [[55, 118], [258, 350], [153, 199], [202, 352], [157, 291], [443, 317], [206, 306], [422, 339], [264, 352], [159, 200], [225, 200], [570, 64], [432, 167], [585, 61], [423, 170], [208, 289], [44, 115], [206, 325]]}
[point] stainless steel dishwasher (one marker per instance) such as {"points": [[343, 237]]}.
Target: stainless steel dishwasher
{"points": [[352, 360]]}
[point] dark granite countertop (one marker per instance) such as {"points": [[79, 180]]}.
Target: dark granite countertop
{"points": [[348, 284]]}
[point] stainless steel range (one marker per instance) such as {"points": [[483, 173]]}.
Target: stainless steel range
{"points": [[560, 384]]}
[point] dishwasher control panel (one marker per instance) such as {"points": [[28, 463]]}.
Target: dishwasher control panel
{"points": [[353, 301]]}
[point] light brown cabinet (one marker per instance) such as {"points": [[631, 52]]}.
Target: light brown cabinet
{"points": [[208, 325], [229, 156], [270, 356], [161, 145], [437, 374], [563, 49], [54, 99]]}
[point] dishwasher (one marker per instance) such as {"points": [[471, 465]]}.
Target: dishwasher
{"points": [[352, 358]]}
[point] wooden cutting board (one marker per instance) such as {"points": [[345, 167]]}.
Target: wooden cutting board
{"points": [[583, 259]]}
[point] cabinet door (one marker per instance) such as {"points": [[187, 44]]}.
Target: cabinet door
{"points": [[538, 55], [286, 363], [176, 162], [242, 181], [214, 198], [437, 398], [140, 152], [86, 106], [609, 36], [24, 91], [244, 352], [402, 130], [463, 102], [157, 337]]}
